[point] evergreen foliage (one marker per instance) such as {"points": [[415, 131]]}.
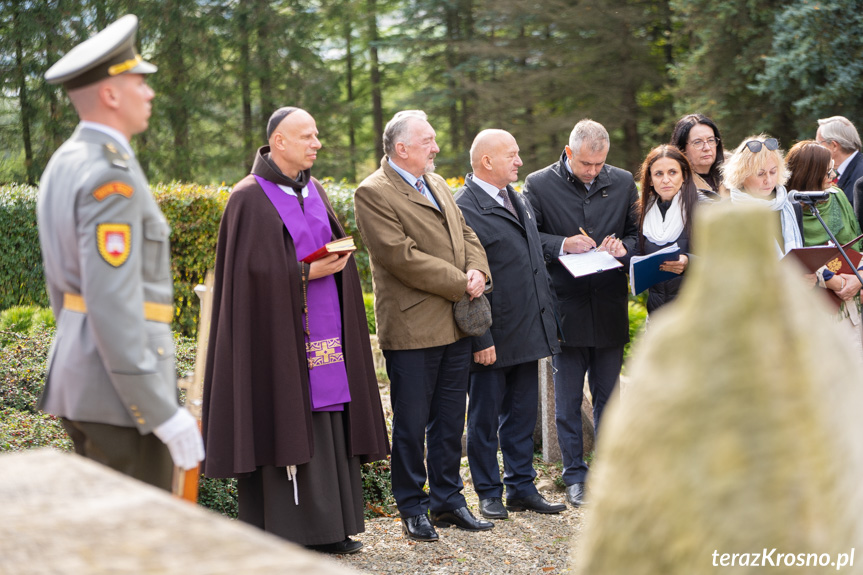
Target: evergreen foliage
{"points": [[533, 68]]}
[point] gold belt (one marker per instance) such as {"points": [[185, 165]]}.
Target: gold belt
{"points": [[161, 312]]}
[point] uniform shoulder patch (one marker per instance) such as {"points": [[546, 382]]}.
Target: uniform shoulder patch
{"points": [[112, 188], [115, 242]]}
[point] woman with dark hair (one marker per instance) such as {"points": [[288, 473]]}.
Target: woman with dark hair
{"points": [[697, 137], [811, 170], [668, 199]]}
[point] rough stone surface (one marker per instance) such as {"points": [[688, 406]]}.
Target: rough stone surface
{"points": [[740, 430], [61, 513]]}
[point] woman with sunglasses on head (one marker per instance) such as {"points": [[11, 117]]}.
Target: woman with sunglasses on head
{"points": [[812, 170], [755, 174], [697, 137], [668, 199]]}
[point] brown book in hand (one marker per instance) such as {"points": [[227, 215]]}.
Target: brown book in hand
{"points": [[814, 257], [340, 246]]}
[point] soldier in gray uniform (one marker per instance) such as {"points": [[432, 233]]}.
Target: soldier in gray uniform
{"points": [[105, 248]]}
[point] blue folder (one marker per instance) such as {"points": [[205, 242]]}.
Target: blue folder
{"points": [[644, 270]]}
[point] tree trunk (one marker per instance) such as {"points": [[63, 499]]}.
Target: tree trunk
{"points": [[349, 80], [178, 112], [245, 85], [375, 78], [268, 101], [23, 100], [451, 17]]}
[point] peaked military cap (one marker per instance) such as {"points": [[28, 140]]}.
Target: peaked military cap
{"points": [[109, 53]]}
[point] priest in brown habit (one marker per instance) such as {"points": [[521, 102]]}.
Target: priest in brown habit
{"points": [[291, 402]]}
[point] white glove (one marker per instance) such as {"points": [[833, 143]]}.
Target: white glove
{"points": [[180, 433]]}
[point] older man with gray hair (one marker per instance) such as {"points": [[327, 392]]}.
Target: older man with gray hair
{"points": [[424, 258], [579, 202], [839, 135]]}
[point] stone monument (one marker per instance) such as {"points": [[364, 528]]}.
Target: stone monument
{"points": [[739, 443]]}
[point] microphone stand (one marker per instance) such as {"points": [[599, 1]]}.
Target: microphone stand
{"points": [[811, 203]]}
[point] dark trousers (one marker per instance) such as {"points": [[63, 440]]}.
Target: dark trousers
{"points": [[123, 449], [602, 364], [428, 389], [502, 405]]}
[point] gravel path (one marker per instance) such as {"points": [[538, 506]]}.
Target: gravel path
{"points": [[527, 542]]}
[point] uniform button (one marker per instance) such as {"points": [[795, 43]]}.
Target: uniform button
{"points": [[133, 407], [542, 310], [590, 230], [586, 201], [141, 421], [160, 351], [535, 272]]}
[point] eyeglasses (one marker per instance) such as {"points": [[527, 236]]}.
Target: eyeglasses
{"points": [[712, 142], [755, 145]]}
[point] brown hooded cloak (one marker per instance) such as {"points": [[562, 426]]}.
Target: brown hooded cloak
{"points": [[256, 408]]}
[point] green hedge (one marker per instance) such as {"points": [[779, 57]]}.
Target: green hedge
{"points": [[194, 213], [22, 375], [21, 278]]}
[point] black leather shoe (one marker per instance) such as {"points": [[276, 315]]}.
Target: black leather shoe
{"points": [[492, 508], [461, 518], [345, 547], [419, 528], [535, 502], [575, 494]]}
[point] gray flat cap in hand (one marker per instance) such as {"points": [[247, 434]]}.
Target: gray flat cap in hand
{"points": [[109, 53]]}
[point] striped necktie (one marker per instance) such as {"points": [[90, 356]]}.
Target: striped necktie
{"points": [[507, 203], [421, 188]]}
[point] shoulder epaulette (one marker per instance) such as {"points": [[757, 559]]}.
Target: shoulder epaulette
{"points": [[115, 157]]}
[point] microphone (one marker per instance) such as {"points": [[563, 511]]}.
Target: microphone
{"points": [[810, 196]]}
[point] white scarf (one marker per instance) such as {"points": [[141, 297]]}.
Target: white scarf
{"points": [[662, 231], [791, 234]]}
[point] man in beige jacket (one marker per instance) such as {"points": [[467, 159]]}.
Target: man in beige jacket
{"points": [[424, 258]]}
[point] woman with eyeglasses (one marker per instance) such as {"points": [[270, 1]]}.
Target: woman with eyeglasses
{"points": [[697, 137], [668, 200], [755, 174], [812, 170]]}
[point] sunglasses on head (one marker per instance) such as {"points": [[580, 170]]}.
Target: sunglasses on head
{"points": [[755, 145]]}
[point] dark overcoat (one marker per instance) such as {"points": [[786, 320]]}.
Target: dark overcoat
{"points": [[853, 172], [524, 325], [256, 408], [593, 309]]}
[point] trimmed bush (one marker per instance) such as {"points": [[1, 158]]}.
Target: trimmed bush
{"points": [[23, 366], [369, 303], [194, 213], [23, 320], [341, 196], [637, 319], [21, 279], [377, 491]]}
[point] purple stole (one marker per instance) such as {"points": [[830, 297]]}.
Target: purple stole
{"points": [[328, 380]]}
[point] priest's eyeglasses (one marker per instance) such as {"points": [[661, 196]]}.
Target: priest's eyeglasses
{"points": [[755, 145]]}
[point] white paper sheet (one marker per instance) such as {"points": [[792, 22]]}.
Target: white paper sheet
{"points": [[591, 262]]}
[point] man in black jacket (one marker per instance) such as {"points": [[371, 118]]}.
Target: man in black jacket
{"points": [[578, 202], [504, 372]]}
